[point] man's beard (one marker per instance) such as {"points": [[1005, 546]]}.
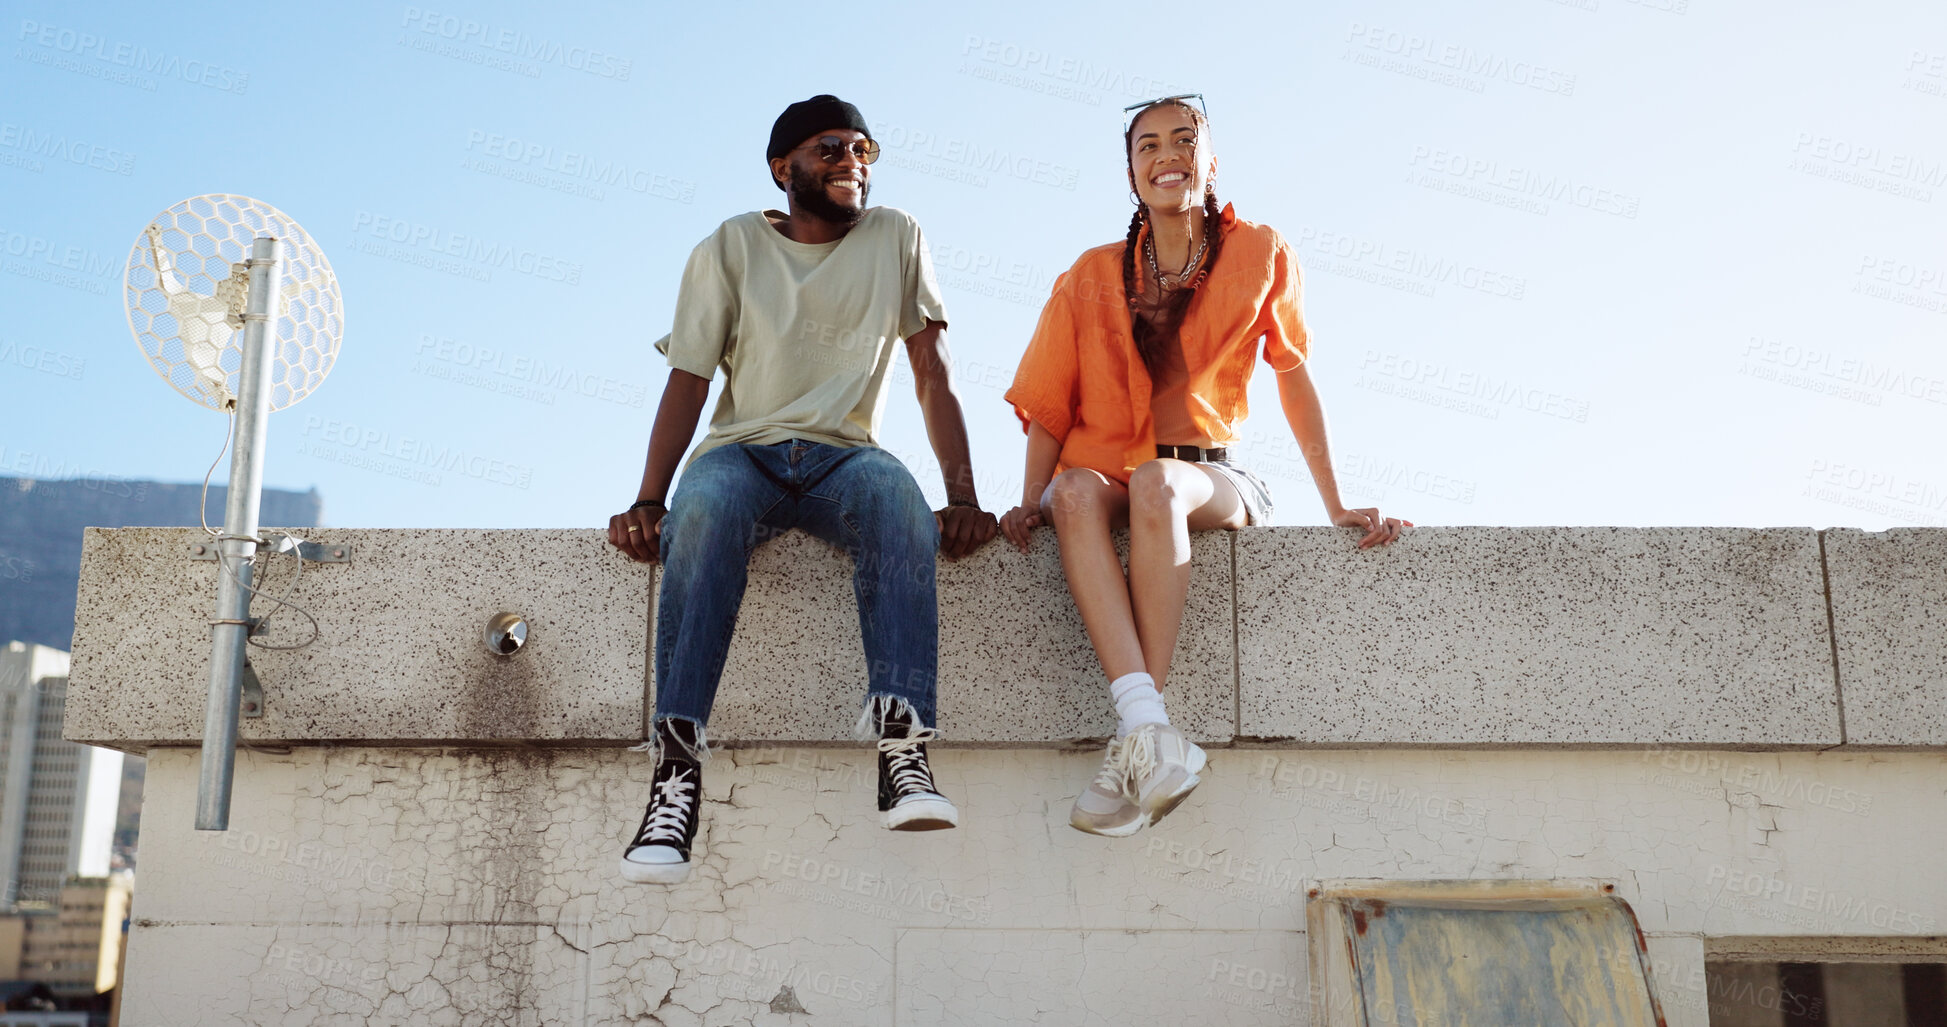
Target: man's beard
{"points": [[808, 192]]}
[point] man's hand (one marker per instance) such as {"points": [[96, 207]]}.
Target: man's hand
{"points": [[638, 532], [1018, 522], [963, 529]]}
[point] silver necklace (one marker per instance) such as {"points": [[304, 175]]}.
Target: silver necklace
{"points": [[1149, 250]]}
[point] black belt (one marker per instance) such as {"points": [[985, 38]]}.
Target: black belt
{"points": [[1193, 454]]}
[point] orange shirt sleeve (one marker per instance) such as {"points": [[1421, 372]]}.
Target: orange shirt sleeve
{"points": [[1046, 388], [1287, 342]]}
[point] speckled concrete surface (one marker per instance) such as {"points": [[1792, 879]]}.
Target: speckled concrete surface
{"points": [[1015, 663], [1543, 636], [1889, 614], [401, 655], [1454, 636], [463, 886]]}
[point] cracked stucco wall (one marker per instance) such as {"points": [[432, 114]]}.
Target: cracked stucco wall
{"points": [[478, 886]]}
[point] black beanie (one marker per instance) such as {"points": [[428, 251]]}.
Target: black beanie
{"points": [[818, 114]]}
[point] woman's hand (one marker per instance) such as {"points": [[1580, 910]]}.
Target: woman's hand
{"points": [[1018, 522], [1379, 530]]}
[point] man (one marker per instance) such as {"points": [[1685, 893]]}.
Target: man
{"points": [[802, 311]]}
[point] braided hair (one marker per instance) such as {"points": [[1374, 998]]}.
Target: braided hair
{"points": [[1153, 339]]}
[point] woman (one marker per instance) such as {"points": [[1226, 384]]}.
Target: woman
{"points": [[1130, 391]]}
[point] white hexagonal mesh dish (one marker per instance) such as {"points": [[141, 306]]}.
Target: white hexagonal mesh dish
{"points": [[184, 289]]}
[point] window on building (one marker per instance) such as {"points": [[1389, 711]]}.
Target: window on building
{"points": [[1827, 981]]}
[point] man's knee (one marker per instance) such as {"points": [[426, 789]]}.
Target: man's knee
{"points": [[881, 484]]}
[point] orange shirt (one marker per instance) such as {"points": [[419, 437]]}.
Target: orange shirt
{"points": [[1082, 380]]}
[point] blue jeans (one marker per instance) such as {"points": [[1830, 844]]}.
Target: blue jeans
{"points": [[861, 499]]}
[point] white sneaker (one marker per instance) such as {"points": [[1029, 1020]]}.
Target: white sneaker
{"points": [[1106, 807], [1163, 768]]}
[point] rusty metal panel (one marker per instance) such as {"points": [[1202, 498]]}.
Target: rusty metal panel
{"points": [[1468, 956]]}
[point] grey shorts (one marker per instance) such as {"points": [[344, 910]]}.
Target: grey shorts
{"points": [[1257, 497]]}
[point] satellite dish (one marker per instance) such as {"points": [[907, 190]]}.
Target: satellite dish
{"points": [[184, 289], [234, 305]]}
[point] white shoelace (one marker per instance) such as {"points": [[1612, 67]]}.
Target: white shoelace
{"points": [[1139, 756], [1114, 775], [670, 803], [906, 765]]}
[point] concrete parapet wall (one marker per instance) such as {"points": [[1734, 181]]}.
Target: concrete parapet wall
{"points": [[427, 833], [1452, 637]]}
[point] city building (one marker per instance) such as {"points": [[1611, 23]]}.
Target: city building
{"points": [[57, 799]]}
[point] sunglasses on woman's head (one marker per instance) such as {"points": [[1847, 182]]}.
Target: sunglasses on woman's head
{"points": [[831, 149], [1130, 112]]}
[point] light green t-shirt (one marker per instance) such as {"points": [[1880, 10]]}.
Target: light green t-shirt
{"points": [[805, 332]]}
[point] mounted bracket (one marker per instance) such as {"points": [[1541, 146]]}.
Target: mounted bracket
{"points": [[253, 692], [310, 552]]}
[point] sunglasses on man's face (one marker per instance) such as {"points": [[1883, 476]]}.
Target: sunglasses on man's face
{"points": [[832, 149]]}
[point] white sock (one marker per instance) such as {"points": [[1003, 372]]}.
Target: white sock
{"points": [[1137, 702]]}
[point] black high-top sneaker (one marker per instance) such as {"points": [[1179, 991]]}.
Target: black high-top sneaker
{"points": [[907, 794], [660, 851]]}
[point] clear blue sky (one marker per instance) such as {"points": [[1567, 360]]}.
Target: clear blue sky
{"points": [[1594, 262]]}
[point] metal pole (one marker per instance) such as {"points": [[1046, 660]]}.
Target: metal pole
{"points": [[237, 549]]}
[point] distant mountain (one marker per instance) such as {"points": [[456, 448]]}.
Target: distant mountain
{"points": [[40, 538]]}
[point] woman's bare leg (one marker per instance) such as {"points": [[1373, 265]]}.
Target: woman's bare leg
{"points": [[1084, 506], [1168, 499]]}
